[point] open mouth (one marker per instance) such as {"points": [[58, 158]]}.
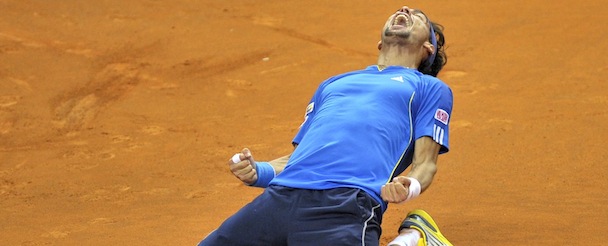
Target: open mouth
{"points": [[402, 19]]}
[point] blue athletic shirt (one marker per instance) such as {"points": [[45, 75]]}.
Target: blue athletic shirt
{"points": [[360, 127]]}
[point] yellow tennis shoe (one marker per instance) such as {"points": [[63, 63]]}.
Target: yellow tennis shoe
{"points": [[420, 220]]}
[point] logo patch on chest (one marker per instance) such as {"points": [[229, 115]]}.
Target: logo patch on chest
{"points": [[398, 78]]}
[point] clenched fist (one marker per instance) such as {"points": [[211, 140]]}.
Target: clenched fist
{"points": [[244, 169], [396, 191]]}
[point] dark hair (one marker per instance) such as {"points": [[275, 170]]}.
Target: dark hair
{"points": [[441, 58]]}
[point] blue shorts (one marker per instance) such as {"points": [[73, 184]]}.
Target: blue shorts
{"points": [[288, 216]]}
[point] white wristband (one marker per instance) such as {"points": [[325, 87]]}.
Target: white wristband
{"points": [[236, 158], [414, 189]]}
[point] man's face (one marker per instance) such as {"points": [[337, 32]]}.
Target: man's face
{"points": [[409, 24]]}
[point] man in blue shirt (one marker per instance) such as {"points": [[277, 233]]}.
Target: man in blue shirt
{"points": [[362, 129]]}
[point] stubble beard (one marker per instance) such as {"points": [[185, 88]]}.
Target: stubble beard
{"points": [[395, 37]]}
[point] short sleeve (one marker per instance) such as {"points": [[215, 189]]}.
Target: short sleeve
{"points": [[311, 110], [433, 114]]}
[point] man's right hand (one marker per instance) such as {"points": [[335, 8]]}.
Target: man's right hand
{"points": [[244, 170]]}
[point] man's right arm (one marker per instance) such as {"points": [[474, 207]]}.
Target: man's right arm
{"points": [[279, 163], [245, 169]]}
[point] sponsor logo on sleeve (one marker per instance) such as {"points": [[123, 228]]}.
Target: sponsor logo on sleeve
{"points": [[442, 116], [310, 108]]}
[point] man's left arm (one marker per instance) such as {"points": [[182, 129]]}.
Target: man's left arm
{"points": [[420, 177], [432, 135]]}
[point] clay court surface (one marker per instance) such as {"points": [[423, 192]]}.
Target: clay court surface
{"points": [[117, 118]]}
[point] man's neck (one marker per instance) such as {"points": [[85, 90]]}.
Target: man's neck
{"points": [[397, 56]]}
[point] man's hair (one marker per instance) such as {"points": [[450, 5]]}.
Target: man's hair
{"points": [[440, 57]]}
